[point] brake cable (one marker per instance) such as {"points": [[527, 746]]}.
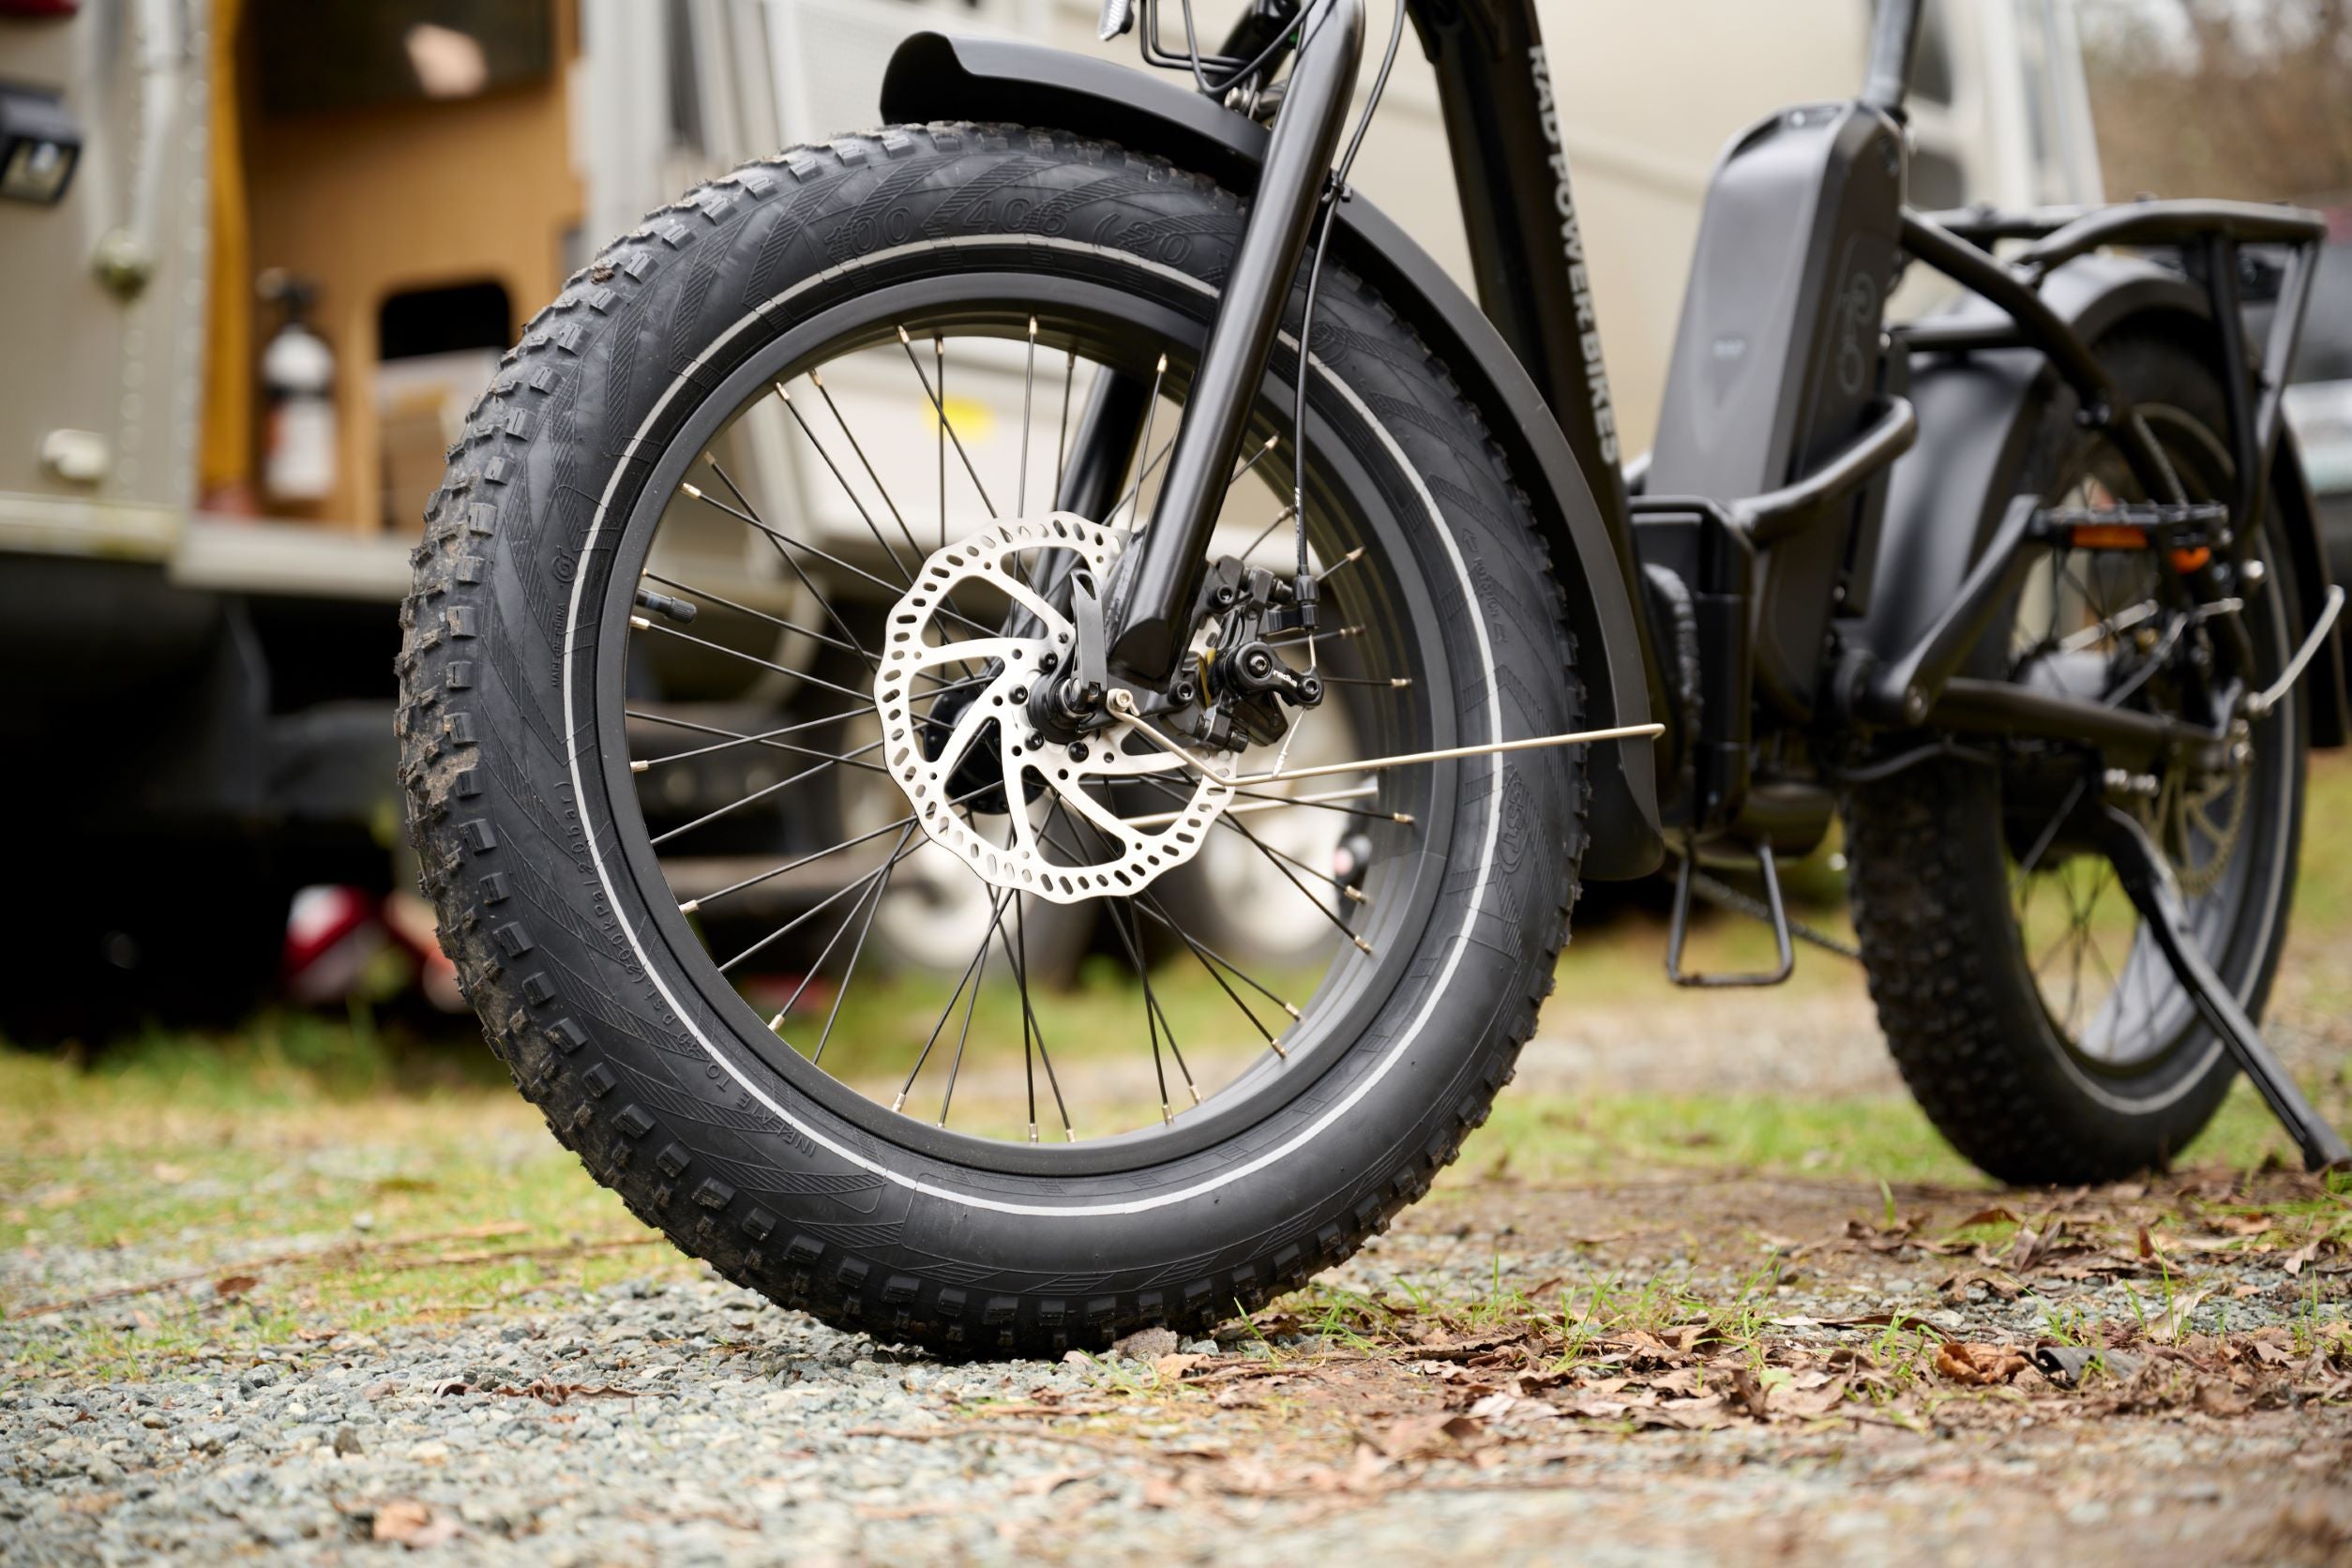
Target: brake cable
{"points": [[1334, 194]]}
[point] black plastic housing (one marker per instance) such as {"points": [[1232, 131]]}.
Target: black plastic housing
{"points": [[1779, 356]]}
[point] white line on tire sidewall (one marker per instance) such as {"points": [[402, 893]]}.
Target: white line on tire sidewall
{"points": [[577, 723]]}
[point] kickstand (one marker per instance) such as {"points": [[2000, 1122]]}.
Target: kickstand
{"points": [[2149, 881], [1685, 872]]}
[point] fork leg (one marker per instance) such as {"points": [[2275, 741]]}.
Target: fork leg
{"points": [[2148, 880], [1151, 600]]}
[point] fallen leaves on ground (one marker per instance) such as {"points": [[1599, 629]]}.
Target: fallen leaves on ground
{"points": [[412, 1524], [1349, 1395], [1980, 1365]]}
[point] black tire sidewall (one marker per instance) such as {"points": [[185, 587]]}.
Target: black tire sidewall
{"points": [[746, 1167]]}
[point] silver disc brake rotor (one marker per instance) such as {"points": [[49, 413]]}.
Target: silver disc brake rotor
{"points": [[1048, 855]]}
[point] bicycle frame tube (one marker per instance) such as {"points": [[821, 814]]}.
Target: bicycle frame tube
{"points": [[1527, 247]]}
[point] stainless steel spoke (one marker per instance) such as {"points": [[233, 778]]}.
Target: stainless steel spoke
{"points": [[1021, 936], [1332, 570], [733, 738], [939, 407], [846, 759], [892, 589], [2049, 833], [750, 516], [1258, 802], [1028, 392], [1305, 892], [849, 490], [866, 462], [971, 971], [810, 913], [693, 904], [776, 621], [646, 624], [1251, 462], [1062, 440], [1209, 957], [807, 773], [1033, 1034], [1267, 533], [732, 805], [963, 1033], [1225, 820], [849, 970], [1155, 1017], [865, 884], [1157, 458]]}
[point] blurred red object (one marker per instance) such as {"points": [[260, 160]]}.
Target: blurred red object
{"points": [[331, 933], [39, 7]]}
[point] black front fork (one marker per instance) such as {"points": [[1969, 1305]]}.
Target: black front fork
{"points": [[1149, 617]]}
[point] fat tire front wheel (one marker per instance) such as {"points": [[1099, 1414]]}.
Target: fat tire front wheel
{"points": [[529, 668]]}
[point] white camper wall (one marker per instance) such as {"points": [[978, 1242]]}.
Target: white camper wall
{"points": [[1649, 96]]}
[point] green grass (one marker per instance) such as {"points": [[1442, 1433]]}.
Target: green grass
{"points": [[198, 1150], [356, 1180]]}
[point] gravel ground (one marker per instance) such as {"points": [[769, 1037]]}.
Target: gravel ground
{"points": [[689, 1422], [670, 1418]]}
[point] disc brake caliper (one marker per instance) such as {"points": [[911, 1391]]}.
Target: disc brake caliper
{"points": [[1243, 678]]}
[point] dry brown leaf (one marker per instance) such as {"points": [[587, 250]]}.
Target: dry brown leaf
{"points": [[1172, 1368], [2216, 1398], [1426, 1436], [1690, 1416], [1749, 1393], [1977, 1364], [230, 1287], [412, 1524], [1896, 1319], [559, 1393], [1815, 1400], [2022, 1247], [1682, 1379], [1958, 1286], [2175, 1323]]}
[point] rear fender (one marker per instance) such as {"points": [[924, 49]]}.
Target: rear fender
{"points": [[935, 77]]}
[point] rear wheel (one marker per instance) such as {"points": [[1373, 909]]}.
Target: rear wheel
{"points": [[836, 386], [2032, 1014]]}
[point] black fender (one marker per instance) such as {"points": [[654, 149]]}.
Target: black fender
{"points": [[935, 77], [1979, 412]]}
